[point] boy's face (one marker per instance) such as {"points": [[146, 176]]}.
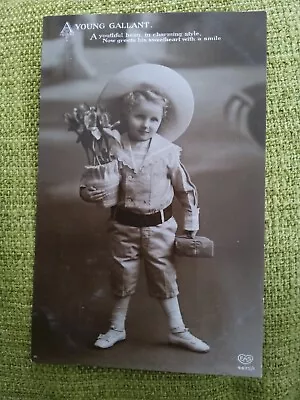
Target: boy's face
{"points": [[144, 120]]}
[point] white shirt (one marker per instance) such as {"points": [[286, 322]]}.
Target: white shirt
{"points": [[149, 181]]}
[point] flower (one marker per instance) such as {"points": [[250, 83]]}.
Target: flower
{"points": [[94, 132]]}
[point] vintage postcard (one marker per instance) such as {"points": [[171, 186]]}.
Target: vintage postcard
{"points": [[150, 217]]}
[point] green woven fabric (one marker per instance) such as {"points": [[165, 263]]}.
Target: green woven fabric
{"points": [[21, 30]]}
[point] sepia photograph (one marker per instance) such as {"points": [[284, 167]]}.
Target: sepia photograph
{"points": [[150, 200]]}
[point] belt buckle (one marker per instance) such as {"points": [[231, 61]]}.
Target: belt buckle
{"points": [[162, 216]]}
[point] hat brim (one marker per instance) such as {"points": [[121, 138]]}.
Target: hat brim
{"points": [[160, 78]]}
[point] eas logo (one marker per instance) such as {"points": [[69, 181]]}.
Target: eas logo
{"points": [[245, 359]]}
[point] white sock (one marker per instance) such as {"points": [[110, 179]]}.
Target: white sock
{"points": [[172, 311], [119, 313]]}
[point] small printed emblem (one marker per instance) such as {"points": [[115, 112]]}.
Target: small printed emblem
{"points": [[245, 359], [67, 31]]}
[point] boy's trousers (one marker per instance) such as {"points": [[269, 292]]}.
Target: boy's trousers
{"points": [[154, 245]]}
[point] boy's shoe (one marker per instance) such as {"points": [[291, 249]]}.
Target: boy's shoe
{"points": [[189, 341], [108, 339]]}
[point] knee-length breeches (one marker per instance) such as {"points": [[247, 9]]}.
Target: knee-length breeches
{"points": [[155, 246]]}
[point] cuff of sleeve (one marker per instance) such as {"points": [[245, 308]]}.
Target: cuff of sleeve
{"points": [[191, 220]]}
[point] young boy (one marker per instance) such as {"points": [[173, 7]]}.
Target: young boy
{"points": [[156, 103]]}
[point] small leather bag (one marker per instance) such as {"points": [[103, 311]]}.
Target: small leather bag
{"points": [[200, 246]]}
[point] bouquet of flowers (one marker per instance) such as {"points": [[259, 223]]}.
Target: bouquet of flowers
{"points": [[98, 138]]}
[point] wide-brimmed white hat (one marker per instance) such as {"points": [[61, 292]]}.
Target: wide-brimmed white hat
{"points": [[157, 77]]}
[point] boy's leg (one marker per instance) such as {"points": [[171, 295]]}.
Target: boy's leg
{"points": [[125, 242], [158, 248], [117, 332], [173, 313], [119, 313], [179, 334]]}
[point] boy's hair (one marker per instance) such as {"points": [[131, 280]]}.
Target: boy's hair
{"points": [[130, 100]]}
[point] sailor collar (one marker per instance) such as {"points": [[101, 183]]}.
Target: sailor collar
{"points": [[158, 145]]}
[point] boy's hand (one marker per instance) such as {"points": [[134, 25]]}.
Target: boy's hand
{"points": [[190, 234], [91, 194]]}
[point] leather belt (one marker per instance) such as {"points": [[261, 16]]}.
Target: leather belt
{"points": [[130, 218]]}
